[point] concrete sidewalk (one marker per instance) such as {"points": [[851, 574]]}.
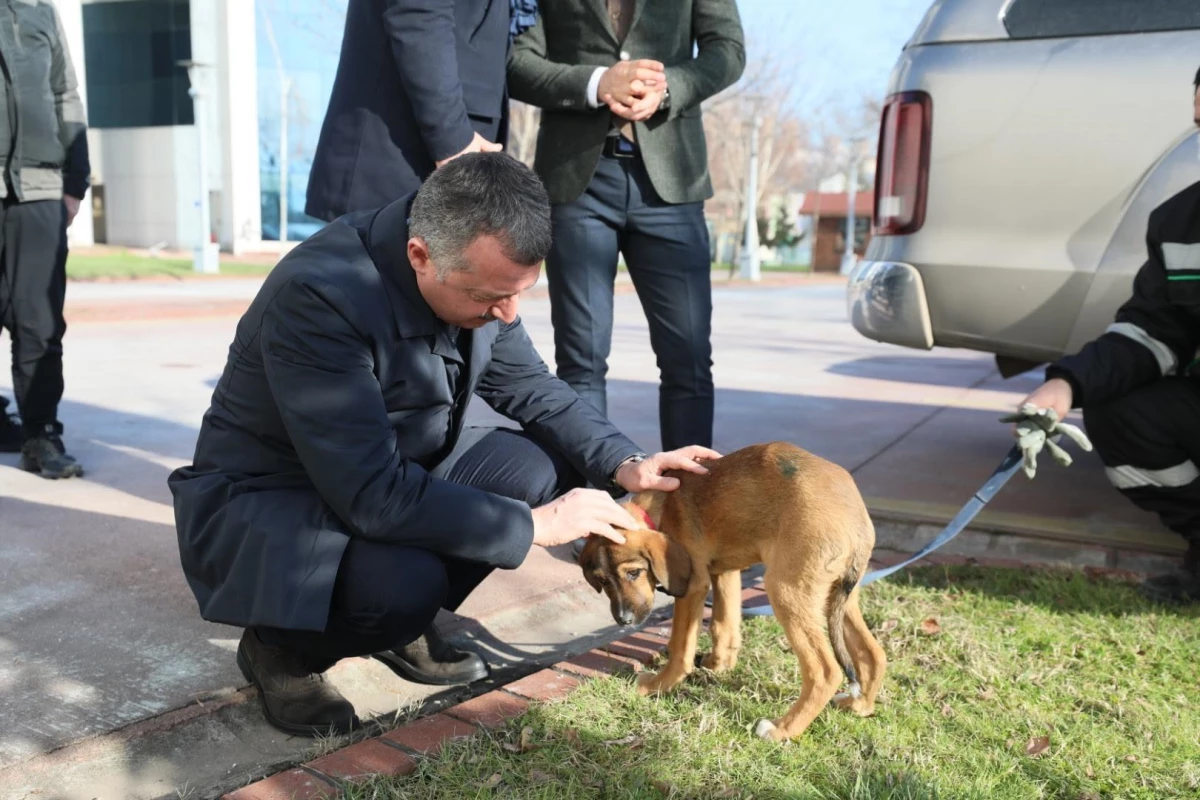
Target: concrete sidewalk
{"points": [[112, 686]]}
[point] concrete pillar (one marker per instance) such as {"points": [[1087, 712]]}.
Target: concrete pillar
{"points": [[241, 200], [81, 233]]}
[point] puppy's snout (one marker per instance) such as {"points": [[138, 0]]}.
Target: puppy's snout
{"points": [[625, 616]]}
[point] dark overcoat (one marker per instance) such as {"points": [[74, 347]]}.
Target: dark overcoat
{"points": [[334, 404]]}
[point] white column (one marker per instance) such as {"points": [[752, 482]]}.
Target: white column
{"points": [[81, 233], [237, 76]]}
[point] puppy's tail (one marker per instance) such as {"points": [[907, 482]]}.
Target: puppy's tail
{"points": [[837, 633]]}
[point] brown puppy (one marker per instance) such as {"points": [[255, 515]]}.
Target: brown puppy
{"points": [[800, 516]]}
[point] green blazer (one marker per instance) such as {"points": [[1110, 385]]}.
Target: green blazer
{"points": [[551, 63]]}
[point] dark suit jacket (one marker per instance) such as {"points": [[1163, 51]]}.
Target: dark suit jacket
{"points": [[334, 404], [415, 81], [551, 63]]}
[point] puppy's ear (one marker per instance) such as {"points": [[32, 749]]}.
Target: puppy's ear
{"points": [[670, 563], [588, 562]]}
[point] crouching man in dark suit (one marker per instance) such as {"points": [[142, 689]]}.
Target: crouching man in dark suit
{"points": [[336, 501]]}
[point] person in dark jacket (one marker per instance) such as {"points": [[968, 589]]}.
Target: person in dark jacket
{"points": [[418, 83], [1139, 385], [43, 146], [622, 151], [335, 500]]}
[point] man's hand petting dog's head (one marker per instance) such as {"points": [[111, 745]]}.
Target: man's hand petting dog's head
{"points": [[649, 474]]}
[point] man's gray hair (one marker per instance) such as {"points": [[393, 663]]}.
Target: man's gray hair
{"points": [[482, 194]]}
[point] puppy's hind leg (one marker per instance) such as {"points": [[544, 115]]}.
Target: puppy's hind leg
{"points": [[802, 618], [870, 661], [726, 625]]}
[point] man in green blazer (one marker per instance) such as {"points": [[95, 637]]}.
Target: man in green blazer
{"points": [[623, 156]]}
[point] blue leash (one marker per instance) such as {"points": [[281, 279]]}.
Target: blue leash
{"points": [[1008, 467]]}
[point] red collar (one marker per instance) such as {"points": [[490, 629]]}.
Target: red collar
{"points": [[649, 523]]}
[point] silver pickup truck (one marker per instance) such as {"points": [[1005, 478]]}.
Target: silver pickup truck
{"points": [[1022, 147]]}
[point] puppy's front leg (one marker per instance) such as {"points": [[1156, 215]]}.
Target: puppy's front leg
{"points": [[726, 625], [685, 630]]}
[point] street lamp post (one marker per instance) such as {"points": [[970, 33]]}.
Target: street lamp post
{"points": [[206, 255], [849, 257], [751, 268]]}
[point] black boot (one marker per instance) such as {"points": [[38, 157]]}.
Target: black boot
{"points": [[43, 453], [294, 699], [434, 661], [1180, 586], [11, 435]]}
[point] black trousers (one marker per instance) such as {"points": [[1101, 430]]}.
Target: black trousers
{"points": [[33, 281], [1149, 441], [666, 249], [385, 595]]}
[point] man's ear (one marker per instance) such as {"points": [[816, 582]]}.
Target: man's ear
{"points": [[418, 255], [669, 562]]}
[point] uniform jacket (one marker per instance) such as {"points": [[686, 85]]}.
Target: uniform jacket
{"points": [[552, 62], [1157, 331], [43, 127], [334, 405]]}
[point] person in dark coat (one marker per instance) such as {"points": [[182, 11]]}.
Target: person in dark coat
{"points": [[418, 83], [335, 501]]}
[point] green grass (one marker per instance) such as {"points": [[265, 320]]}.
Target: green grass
{"points": [[125, 265], [1021, 654]]}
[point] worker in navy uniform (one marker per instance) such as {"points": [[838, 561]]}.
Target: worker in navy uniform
{"points": [[1138, 385]]}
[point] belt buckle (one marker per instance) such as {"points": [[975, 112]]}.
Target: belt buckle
{"points": [[622, 147]]}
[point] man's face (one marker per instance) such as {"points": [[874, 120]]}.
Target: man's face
{"points": [[1196, 108], [488, 289]]}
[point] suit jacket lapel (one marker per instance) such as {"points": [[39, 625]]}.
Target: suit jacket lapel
{"points": [[637, 12], [601, 9]]}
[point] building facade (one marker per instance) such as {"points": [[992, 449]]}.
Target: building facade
{"points": [[264, 69]]}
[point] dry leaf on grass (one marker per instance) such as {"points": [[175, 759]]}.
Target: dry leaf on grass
{"points": [[1131, 759], [987, 694], [537, 776], [663, 787], [889, 625], [492, 782], [1089, 772], [572, 736], [1037, 746], [947, 711], [931, 627]]}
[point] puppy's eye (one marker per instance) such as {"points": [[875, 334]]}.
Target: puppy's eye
{"points": [[633, 574]]}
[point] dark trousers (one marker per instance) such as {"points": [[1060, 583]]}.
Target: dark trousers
{"points": [[666, 249], [386, 596], [1149, 441], [33, 280]]}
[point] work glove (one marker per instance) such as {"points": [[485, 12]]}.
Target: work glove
{"points": [[1037, 428]]}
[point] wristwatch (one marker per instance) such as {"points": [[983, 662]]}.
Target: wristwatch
{"points": [[665, 105], [633, 459]]}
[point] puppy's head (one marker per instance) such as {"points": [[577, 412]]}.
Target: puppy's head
{"points": [[628, 573]]}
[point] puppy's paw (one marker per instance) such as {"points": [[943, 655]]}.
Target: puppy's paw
{"points": [[717, 663], [765, 729], [855, 704], [647, 683]]}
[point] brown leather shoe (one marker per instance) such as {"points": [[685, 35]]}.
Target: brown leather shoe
{"points": [[434, 661], [294, 700]]}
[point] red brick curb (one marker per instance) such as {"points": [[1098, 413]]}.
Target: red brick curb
{"points": [[396, 752]]}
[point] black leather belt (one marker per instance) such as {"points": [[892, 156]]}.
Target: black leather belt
{"points": [[619, 147]]}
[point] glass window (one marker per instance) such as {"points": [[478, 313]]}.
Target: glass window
{"points": [[131, 54], [1034, 19]]}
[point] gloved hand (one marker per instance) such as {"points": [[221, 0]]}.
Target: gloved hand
{"points": [[1036, 427]]}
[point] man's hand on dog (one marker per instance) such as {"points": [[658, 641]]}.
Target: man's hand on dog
{"points": [[579, 513], [641, 476]]}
